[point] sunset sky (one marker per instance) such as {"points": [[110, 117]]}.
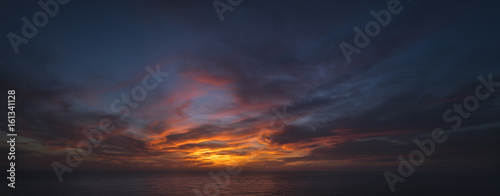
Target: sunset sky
{"points": [[268, 88]]}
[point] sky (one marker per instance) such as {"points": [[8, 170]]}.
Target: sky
{"points": [[267, 88]]}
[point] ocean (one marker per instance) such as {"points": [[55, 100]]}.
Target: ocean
{"points": [[251, 183]]}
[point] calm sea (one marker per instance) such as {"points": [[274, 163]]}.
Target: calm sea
{"points": [[296, 183]]}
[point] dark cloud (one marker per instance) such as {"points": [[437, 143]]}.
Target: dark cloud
{"points": [[265, 55]]}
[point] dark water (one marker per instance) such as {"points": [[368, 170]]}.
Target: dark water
{"points": [[297, 183]]}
